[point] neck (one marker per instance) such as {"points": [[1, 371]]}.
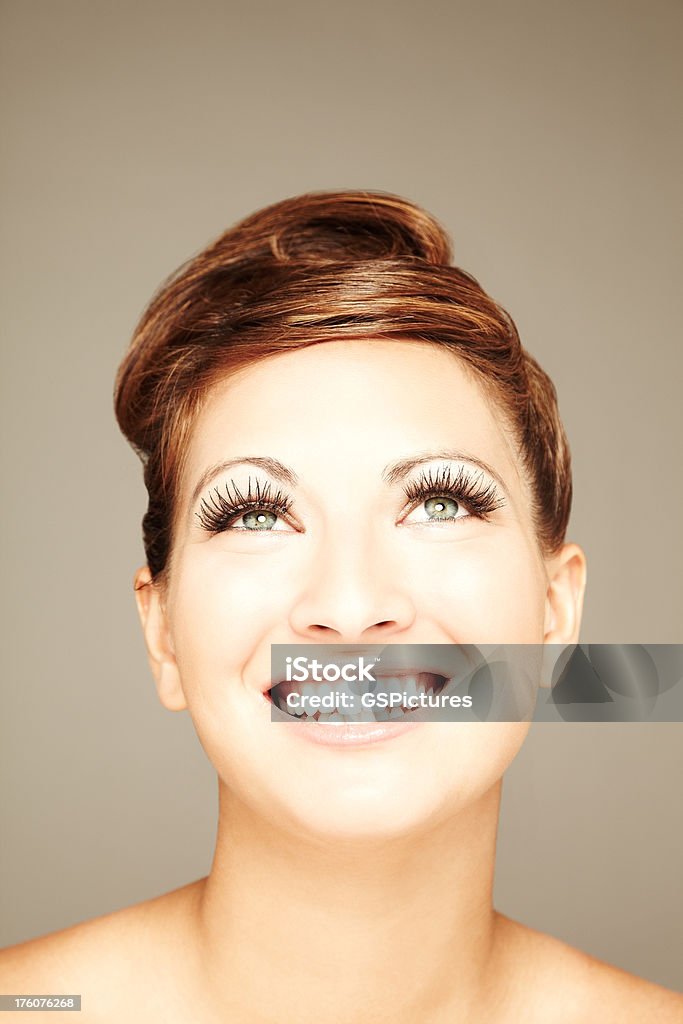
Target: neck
{"points": [[398, 929]]}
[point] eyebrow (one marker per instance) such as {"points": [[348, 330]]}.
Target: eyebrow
{"points": [[391, 474], [396, 471], [273, 467]]}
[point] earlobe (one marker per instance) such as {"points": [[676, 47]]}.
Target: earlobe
{"points": [[564, 597], [160, 651]]}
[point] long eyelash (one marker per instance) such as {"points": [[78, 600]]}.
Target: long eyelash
{"points": [[472, 490], [218, 511]]}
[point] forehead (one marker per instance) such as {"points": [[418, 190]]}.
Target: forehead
{"points": [[349, 406]]}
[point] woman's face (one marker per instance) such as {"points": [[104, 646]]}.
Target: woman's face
{"points": [[352, 558]]}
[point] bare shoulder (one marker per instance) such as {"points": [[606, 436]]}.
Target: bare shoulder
{"points": [[573, 987], [123, 951]]}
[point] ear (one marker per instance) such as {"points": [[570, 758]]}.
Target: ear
{"points": [[160, 652], [564, 597]]}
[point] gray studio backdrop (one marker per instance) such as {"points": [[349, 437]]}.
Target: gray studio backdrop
{"points": [[540, 133]]}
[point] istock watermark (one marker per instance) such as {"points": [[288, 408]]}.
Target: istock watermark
{"points": [[332, 684], [302, 669]]}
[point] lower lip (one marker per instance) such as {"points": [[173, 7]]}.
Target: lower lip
{"points": [[354, 734]]}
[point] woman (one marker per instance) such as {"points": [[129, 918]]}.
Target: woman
{"points": [[344, 444]]}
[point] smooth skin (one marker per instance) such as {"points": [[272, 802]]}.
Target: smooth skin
{"points": [[348, 885]]}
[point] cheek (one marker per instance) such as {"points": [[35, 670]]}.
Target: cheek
{"points": [[490, 592], [224, 605]]}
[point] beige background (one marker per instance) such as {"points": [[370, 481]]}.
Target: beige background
{"points": [[542, 134]]}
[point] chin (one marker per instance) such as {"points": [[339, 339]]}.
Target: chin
{"points": [[402, 787], [371, 799]]}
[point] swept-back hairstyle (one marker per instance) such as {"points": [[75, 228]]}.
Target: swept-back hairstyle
{"points": [[324, 266]]}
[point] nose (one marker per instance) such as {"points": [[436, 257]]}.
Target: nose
{"points": [[353, 592]]}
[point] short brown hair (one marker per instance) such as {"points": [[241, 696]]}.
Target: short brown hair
{"points": [[324, 266]]}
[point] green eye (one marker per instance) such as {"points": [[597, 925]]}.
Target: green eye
{"points": [[442, 508], [259, 519]]}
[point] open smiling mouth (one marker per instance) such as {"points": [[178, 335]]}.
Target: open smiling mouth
{"points": [[392, 698]]}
